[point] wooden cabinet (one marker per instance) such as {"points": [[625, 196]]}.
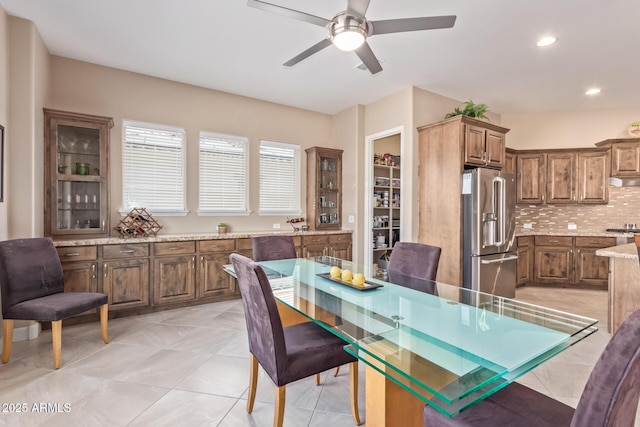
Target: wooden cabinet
{"points": [[125, 275], [76, 171], [443, 148], [79, 269], [174, 276], [530, 178], [593, 176], [324, 188], [212, 280], [563, 176], [484, 146], [509, 161], [340, 246], [554, 259], [590, 269], [625, 156], [313, 246], [571, 261], [386, 209], [524, 264]]}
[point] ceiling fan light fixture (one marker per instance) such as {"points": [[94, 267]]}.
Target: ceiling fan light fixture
{"points": [[347, 32]]}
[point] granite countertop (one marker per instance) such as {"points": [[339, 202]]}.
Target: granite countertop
{"points": [[574, 233], [191, 236], [628, 251]]}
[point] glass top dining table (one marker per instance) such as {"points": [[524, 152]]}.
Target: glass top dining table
{"points": [[449, 346]]}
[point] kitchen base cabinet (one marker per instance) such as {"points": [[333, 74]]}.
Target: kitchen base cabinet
{"points": [[592, 270], [174, 277], [524, 263], [568, 261], [126, 282], [146, 277], [212, 280], [125, 275], [554, 259]]}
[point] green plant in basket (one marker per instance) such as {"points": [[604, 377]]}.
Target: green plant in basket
{"points": [[470, 109]]}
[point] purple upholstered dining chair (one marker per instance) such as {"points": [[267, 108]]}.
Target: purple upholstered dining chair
{"points": [[287, 354], [32, 288], [268, 248], [415, 260], [609, 399]]}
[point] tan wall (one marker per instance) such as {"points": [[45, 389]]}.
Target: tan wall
{"points": [[93, 89], [28, 76], [570, 129], [4, 111]]}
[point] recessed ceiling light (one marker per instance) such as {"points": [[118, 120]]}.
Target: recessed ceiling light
{"points": [[592, 91], [546, 41]]}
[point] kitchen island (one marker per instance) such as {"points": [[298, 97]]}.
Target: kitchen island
{"points": [[624, 282]]}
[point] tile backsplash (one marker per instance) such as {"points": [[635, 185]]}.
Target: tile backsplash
{"points": [[623, 207]]}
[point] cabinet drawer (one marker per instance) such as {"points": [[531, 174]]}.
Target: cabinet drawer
{"points": [[244, 245], [125, 251], [174, 248], [525, 241], [340, 238], [595, 242], [316, 240], [554, 241], [78, 253], [221, 245]]}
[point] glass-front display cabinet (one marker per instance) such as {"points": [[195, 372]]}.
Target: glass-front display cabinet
{"points": [[76, 174], [324, 188]]}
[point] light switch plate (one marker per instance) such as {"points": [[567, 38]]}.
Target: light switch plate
{"points": [[352, 219], [572, 226], [276, 225], [527, 225]]}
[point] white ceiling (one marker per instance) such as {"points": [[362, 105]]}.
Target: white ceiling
{"points": [[489, 56]]}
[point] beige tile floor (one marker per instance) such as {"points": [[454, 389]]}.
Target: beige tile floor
{"points": [[189, 367]]}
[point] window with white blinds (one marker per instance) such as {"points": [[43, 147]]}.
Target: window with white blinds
{"points": [[223, 174], [279, 178], [153, 171]]}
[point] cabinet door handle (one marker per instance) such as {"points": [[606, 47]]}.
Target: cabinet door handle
{"points": [[103, 226], [202, 261], [174, 248], [193, 262], [554, 241], [93, 271], [128, 251], [72, 254], [105, 269]]}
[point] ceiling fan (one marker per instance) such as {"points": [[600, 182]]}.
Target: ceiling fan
{"points": [[349, 30]]}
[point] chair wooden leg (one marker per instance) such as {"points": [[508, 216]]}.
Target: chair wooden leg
{"points": [[353, 376], [56, 337], [7, 339], [317, 379], [278, 414], [337, 371], [104, 318], [253, 382]]}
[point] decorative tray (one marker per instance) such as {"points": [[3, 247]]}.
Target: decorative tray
{"points": [[367, 285]]}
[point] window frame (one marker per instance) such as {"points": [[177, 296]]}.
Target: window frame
{"points": [[156, 211], [217, 211], [296, 211]]}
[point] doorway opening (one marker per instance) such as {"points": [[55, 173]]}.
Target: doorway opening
{"points": [[383, 195]]}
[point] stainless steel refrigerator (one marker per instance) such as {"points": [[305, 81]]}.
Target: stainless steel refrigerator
{"points": [[489, 244]]}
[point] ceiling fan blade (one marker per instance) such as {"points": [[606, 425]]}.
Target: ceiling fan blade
{"points": [[307, 53], [289, 13], [358, 7], [412, 24], [367, 57]]}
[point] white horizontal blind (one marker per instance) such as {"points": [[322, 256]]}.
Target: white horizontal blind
{"points": [[153, 167], [279, 178], [223, 173]]}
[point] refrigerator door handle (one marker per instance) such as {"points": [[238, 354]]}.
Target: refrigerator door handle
{"points": [[499, 206], [493, 261]]}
